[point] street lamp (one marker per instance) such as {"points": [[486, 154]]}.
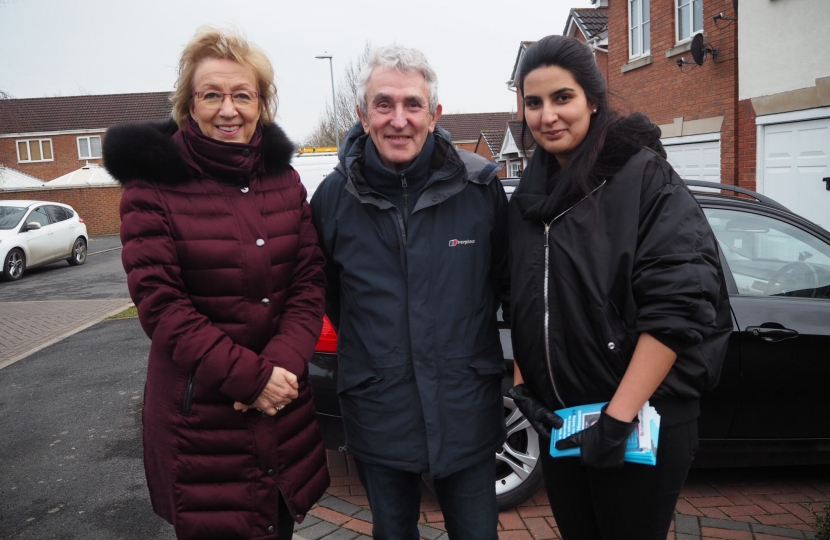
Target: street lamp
{"points": [[333, 97]]}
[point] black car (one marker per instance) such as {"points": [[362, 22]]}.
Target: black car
{"points": [[772, 405]]}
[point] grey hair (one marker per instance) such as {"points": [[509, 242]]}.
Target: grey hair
{"points": [[403, 59]]}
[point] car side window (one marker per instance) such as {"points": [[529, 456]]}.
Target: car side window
{"points": [[38, 215], [770, 257], [58, 213]]}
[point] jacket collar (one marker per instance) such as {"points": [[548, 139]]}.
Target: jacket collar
{"points": [[452, 169], [627, 135], [149, 151]]}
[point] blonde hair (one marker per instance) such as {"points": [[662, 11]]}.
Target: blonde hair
{"points": [[209, 43]]}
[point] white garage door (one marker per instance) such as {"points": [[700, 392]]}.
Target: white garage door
{"points": [[696, 161], [795, 160]]}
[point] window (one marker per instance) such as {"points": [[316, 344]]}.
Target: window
{"points": [[38, 215], [689, 19], [639, 28], [515, 169], [59, 213], [34, 150], [89, 147], [769, 257], [10, 217]]}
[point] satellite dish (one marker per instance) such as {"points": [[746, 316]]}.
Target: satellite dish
{"points": [[698, 53], [699, 50]]}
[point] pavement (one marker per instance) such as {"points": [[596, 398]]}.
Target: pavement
{"points": [[70, 398]]}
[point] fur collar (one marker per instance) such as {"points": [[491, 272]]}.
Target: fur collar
{"points": [[146, 151]]}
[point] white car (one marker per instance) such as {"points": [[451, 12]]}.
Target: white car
{"points": [[34, 233]]}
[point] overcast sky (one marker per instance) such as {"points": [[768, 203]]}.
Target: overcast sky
{"points": [[71, 47]]}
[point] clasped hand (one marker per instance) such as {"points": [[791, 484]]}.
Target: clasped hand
{"points": [[602, 444], [282, 389]]}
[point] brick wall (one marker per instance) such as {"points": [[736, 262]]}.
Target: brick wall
{"points": [[98, 205], [747, 139], [64, 150], [663, 91]]}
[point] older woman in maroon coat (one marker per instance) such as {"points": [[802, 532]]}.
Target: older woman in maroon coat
{"points": [[223, 265]]}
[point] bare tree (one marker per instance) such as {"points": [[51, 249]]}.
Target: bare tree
{"points": [[347, 98]]}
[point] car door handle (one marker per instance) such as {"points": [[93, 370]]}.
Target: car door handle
{"points": [[772, 334]]}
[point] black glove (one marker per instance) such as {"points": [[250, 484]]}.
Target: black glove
{"points": [[603, 444], [539, 416]]}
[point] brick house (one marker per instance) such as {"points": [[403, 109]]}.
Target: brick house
{"points": [[638, 49], [467, 129], [694, 105], [49, 137]]}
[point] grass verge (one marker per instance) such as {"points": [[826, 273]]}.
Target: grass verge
{"points": [[129, 313]]}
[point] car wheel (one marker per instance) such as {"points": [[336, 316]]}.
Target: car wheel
{"points": [[518, 468], [14, 265], [78, 255]]}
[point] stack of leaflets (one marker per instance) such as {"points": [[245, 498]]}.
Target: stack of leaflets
{"points": [[641, 446]]}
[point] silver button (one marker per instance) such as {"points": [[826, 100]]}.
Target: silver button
{"points": [[260, 242], [244, 190], [611, 345], [265, 302]]}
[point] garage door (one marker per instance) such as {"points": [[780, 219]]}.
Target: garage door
{"points": [[795, 161], [696, 161]]}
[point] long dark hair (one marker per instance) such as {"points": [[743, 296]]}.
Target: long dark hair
{"points": [[578, 58]]}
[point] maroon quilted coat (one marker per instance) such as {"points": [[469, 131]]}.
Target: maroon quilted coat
{"points": [[223, 264]]}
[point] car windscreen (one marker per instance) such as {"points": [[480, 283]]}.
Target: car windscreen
{"points": [[10, 217]]}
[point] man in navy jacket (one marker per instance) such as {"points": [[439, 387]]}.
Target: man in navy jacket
{"points": [[414, 233]]}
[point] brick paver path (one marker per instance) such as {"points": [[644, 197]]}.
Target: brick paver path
{"points": [[27, 327], [713, 505]]}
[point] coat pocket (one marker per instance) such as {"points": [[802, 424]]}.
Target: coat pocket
{"points": [[356, 378], [615, 341], [187, 402]]}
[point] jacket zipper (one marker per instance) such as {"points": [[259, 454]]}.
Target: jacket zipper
{"points": [[546, 295], [547, 312], [188, 394], [405, 205]]}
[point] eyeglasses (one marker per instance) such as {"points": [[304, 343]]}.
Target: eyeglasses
{"points": [[241, 99]]}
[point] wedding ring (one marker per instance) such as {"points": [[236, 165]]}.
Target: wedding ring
{"points": [[279, 408]]}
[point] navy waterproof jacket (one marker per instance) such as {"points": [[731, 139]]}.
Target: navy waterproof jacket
{"points": [[420, 362]]}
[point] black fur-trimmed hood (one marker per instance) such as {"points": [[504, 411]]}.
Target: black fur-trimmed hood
{"points": [[147, 151]]}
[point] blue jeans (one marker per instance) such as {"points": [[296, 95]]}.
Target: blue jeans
{"points": [[467, 499]]}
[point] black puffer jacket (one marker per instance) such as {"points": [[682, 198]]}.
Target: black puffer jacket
{"points": [[589, 274], [419, 355]]}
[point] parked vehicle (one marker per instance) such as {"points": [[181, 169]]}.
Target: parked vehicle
{"points": [[772, 403], [314, 164], [35, 233]]}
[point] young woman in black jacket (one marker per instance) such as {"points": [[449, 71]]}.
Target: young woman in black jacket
{"points": [[617, 296]]}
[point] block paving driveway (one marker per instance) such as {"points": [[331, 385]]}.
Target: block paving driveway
{"points": [[51, 303]]}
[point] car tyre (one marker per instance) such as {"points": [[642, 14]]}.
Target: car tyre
{"points": [[14, 265], [78, 255], [518, 467]]}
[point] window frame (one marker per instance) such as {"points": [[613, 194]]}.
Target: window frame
{"points": [[89, 146], [692, 31], [514, 168], [645, 48], [29, 150]]}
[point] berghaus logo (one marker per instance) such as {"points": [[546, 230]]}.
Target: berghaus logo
{"points": [[455, 242]]}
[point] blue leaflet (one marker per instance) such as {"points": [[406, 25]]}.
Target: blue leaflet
{"points": [[641, 446]]}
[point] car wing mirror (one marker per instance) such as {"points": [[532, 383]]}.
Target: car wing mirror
{"points": [[32, 226]]}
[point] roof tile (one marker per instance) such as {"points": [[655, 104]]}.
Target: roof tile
{"points": [[34, 115], [468, 127]]}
